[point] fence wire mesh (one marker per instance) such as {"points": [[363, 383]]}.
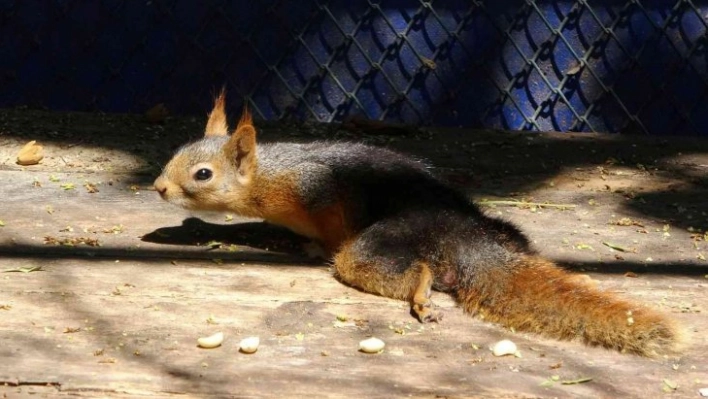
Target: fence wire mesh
{"points": [[609, 66]]}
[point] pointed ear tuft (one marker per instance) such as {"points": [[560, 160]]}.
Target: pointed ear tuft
{"points": [[217, 125], [246, 118]]}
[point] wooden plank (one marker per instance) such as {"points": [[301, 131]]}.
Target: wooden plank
{"points": [[137, 303], [145, 318]]}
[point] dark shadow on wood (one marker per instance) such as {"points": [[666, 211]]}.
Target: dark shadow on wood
{"points": [[194, 239], [639, 268], [195, 231], [151, 255], [254, 255]]}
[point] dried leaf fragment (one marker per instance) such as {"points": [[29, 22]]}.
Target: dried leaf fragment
{"points": [[614, 246], [627, 222], [577, 381], [213, 244], [91, 188], [72, 241], [23, 269], [574, 69], [114, 230], [547, 383], [430, 64], [30, 154], [669, 385]]}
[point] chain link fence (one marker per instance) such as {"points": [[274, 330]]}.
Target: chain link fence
{"points": [[607, 66]]}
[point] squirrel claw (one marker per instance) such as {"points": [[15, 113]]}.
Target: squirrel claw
{"points": [[425, 314], [433, 317]]}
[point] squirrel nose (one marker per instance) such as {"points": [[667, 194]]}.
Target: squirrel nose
{"points": [[160, 186]]}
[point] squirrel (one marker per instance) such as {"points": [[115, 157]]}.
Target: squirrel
{"points": [[396, 230]]}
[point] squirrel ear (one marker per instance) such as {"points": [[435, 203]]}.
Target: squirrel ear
{"points": [[241, 148], [216, 125]]}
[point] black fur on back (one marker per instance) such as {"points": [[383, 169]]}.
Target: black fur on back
{"points": [[379, 184]]}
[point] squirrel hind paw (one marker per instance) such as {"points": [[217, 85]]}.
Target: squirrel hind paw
{"points": [[425, 312]]}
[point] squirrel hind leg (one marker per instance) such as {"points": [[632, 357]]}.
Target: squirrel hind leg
{"points": [[385, 275], [421, 305]]}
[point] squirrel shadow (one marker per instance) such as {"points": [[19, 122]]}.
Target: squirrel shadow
{"points": [[256, 235]]}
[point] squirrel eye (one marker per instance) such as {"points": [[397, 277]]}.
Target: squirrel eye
{"points": [[203, 174]]}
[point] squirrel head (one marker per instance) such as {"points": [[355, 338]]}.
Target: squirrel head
{"points": [[214, 173]]}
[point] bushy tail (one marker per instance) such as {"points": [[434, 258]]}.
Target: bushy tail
{"points": [[535, 295]]}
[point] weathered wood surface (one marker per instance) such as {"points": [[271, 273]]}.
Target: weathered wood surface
{"points": [[121, 319]]}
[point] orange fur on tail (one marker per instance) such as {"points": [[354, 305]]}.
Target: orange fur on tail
{"points": [[539, 297]]}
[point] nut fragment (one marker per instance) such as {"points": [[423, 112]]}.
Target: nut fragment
{"points": [[211, 341], [30, 154], [249, 345], [505, 347], [371, 345]]}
